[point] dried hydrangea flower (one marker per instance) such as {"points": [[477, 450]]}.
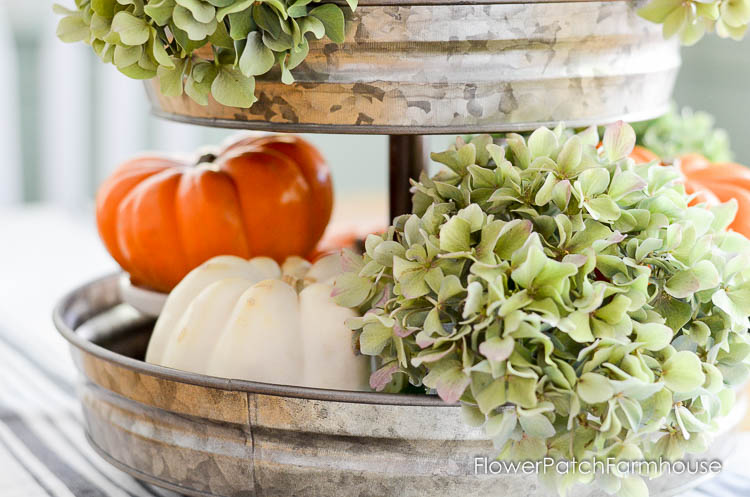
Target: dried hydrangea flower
{"points": [[566, 296], [685, 132], [691, 19], [202, 48]]}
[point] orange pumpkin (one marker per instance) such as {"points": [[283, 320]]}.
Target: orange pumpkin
{"points": [[642, 155], [160, 217], [712, 183], [723, 181], [701, 194]]}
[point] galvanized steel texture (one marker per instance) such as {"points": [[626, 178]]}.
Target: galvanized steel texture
{"points": [[207, 436], [468, 67]]}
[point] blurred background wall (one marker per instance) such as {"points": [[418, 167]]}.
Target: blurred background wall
{"points": [[66, 120]]}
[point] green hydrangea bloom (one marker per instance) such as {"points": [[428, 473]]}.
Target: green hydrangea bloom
{"points": [[566, 296], [689, 20], [685, 132], [145, 39]]}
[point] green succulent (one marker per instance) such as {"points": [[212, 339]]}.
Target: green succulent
{"points": [[685, 132], [162, 38], [566, 296], [691, 19]]}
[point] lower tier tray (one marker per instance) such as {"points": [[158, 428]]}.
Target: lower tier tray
{"points": [[205, 436]]}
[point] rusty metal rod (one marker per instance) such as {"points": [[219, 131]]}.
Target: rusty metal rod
{"points": [[408, 156]]}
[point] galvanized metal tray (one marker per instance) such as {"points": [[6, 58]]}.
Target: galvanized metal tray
{"points": [[433, 66], [205, 436]]}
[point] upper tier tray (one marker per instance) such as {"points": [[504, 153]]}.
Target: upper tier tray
{"points": [[432, 67]]}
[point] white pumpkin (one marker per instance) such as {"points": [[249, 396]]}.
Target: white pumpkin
{"points": [[253, 320]]}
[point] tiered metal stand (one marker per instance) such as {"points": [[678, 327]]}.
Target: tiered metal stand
{"points": [[407, 68]]}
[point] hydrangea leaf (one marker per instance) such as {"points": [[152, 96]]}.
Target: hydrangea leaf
{"points": [[594, 181], [535, 262], [521, 391], [618, 141], [512, 237], [537, 425], [195, 29], [160, 53], [267, 19], [500, 427], [171, 79], [570, 156], [412, 277], [104, 8], [683, 284], [542, 143], [375, 336], [658, 10], [256, 58], [682, 372], [732, 306], [735, 13], [528, 449], [232, 88], [73, 28], [615, 311], [160, 11], [202, 12], [624, 183], [579, 328], [132, 30], [653, 336], [135, 71], [351, 290], [198, 82], [472, 416], [676, 312], [497, 349], [383, 376], [125, 56], [492, 396], [594, 388], [454, 235], [631, 411], [449, 383], [333, 20], [603, 208]]}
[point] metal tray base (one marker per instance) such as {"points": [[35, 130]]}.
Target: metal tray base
{"points": [[204, 436]]}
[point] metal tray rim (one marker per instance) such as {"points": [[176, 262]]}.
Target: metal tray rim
{"points": [[349, 129], [359, 397]]}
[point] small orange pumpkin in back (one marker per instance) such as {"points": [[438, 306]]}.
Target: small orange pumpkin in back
{"points": [[724, 181], [712, 183], [642, 155], [160, 217]]}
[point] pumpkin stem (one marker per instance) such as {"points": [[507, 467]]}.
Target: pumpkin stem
{"points": [[206, 158]]}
